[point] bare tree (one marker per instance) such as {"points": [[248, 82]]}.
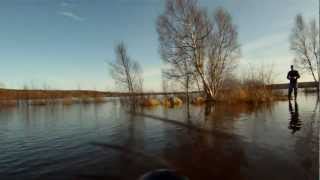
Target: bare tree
{"points": [[137, 78], [304, 43], [126, 72], [189, 41], [174, 28], [223, 50], [165, 84]]}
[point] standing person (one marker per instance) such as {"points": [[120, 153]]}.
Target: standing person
{"points": [[293, 77]]}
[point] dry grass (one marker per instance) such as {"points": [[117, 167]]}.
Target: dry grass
{"points": [[252, 94], [8, 103], [10, 97], [47, 94], [253, 88]]}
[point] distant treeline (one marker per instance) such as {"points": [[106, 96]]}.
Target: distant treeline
{"points": [[45, 94], [6, 94], [55, 94]]}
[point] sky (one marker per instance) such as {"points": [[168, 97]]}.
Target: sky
{"points": [[67, 44]]}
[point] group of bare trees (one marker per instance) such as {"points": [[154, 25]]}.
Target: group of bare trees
{"points": [[304, 42], [199, 50]]}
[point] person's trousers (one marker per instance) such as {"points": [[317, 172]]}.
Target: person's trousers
{"points": [[293, 87]]}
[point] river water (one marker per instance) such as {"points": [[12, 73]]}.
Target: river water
{"points": [[106, 141]]}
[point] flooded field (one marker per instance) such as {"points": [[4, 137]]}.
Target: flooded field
{"points": [[105, 141]]}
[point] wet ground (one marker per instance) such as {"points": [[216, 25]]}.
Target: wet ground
{"points": [[105, 141]]}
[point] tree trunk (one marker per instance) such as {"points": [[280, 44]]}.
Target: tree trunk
{"points": [[206, 88], [318, 88], [187, 97]]}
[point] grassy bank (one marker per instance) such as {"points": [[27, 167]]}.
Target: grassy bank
{"points": [[47, 94], [10, 97], [253, 93]]}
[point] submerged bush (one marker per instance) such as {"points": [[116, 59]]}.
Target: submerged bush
{"points": [[198, 100], [98, 99], [172, 101], [150, 102], [67, 101], [39, 102], [85, 100]]}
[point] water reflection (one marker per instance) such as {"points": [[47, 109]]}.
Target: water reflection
{"points": [[111, 141], [295, 122], [209, 157]]}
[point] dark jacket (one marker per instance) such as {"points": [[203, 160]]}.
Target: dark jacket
{"points": [[293, 76]]}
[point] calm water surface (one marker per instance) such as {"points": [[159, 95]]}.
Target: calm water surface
{"points": [[278, 141]]}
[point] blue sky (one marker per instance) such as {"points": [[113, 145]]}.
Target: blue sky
{"points": [[65, 44]]}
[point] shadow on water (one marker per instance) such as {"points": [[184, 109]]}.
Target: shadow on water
{"points": [[205, 146], [188, 126], [201, 119], [131, 152], [212, 157]]}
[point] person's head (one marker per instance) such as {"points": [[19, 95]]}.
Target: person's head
{"points": [[291, 67]]}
